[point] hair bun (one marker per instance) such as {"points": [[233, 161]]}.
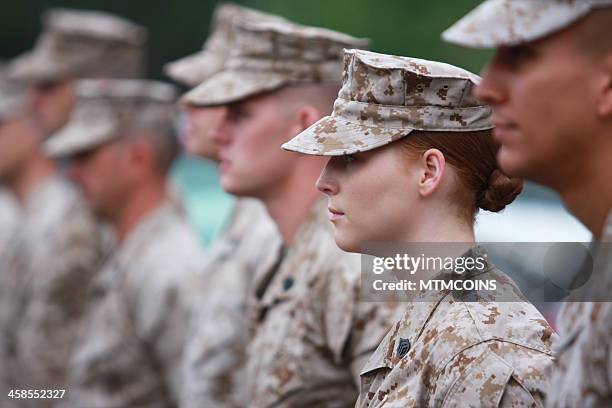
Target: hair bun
{"points": [[500, 192]]}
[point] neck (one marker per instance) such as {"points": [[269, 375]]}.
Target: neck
{"points": [[290, 206], [34, 172], [590, 203], [142, 201], [438, 226], [587, 193]]}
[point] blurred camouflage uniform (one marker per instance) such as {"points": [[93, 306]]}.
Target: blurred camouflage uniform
{"points": [[582, 375], [444, 351], [130, 344], [310, 333], [215, 353], [59, 244]]}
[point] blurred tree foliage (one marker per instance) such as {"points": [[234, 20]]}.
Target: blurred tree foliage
{"points": [[403, 27]]}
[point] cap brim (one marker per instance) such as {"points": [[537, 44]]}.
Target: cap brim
{"points": [[76, 138], [496, 23], [233, 85], [332, 136], [195, 68], [36, 66]]}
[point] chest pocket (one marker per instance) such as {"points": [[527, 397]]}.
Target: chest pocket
{"points": [[483, 383]]}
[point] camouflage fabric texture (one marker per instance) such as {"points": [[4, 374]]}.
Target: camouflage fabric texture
{"points": [[583, 371], [384, 97], [497, 23], [82, 44], [215, 353], [310, 333], [54, 255], [447, 351], [130, 345], [272, 54], [105, 107], [195, 68]]}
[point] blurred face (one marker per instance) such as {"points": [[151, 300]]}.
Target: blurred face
{"points": [[18, 140], [100, 174], [372, 196], [251, 161], [544, 95], [52, 104], [201, 125]]}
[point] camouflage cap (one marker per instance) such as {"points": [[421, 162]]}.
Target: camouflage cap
{"points": [[106, 107], [269, 55], [510, 22], [12, 97], [385, 97], [195, 68], [83, 44]]}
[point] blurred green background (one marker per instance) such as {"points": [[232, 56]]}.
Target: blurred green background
{"points": [[179, 28]]}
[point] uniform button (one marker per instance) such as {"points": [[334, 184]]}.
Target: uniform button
{"points": [[288, 283]]}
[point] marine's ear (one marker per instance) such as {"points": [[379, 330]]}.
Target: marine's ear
{"points": [[605, 99], [432, 166]]}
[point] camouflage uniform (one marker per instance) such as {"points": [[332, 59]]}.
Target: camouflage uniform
{"points": [[445, 351], [582, 375], [45, 308], [130, 345], [215, 353], [310, 334], [129, 350]]}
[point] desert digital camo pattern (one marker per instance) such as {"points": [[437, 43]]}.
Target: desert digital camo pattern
{"points": [[195, 68], [272, 54], [310, 333], [583, 373], [384, 97], [449, 351], [82, 44], [130, 345], [215, 353], [105, 107], [54, 254], [497, 23]]}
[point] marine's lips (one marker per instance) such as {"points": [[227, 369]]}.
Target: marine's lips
{"points": [[334, 214]]}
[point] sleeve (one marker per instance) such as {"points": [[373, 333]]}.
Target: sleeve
{"points": [[162, 313], [62, 272], [215, 352]]}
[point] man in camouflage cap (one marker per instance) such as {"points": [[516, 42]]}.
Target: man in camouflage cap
{"points": [[215, 353], [76, 44], [60, 242], [52, 254], [121, 143], [550, 86], [495, 354], [310, 335]]}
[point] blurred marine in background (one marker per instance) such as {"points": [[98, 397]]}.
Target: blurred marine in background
{"points": [[58, 244], [219, 335], [121, 144]]}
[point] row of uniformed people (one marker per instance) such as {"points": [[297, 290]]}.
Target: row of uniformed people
{"points": [[272, 314]]}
